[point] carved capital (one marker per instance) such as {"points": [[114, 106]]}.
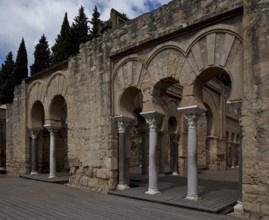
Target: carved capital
{"points": [[153, 118], [152, 122], [34, 132], [192, 119], [52, 128], [123, 123]]}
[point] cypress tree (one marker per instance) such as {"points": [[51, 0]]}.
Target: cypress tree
{"points": [[79, 30], [21, 64], [6, 80], [62, 48], [96, 23], [41, 55]]}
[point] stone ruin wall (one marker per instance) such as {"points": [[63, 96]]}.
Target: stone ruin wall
{"points": [[255, 109], [17, 149], [92, 132], [2, 136]]}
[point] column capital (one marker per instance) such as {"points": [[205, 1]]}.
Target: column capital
{"points": [[192, 113], [153, 118], [34, 132], [123, 123], [52, 128]]}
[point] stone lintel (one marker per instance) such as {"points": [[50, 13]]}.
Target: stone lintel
{"points": [[192, 109], [124, 118], [149, 114]]}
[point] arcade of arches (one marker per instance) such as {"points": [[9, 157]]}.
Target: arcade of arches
{"points": [[150, 94]]}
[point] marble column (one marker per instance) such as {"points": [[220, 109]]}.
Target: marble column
{"points": [[152, 118], [192, 114], [52, 129], [123, 123], [34, 136]]}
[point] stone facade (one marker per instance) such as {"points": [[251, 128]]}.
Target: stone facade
{"points": [[155, 63]]}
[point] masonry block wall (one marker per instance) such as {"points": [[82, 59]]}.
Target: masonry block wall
{"points": [[256, 109], [17, 149], [2, 136]]}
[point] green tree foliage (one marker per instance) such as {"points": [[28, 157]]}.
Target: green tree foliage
{"points": [[6, 80], [41, 55], [62, 48], [79, 30], [96, 23], [21, 64]]}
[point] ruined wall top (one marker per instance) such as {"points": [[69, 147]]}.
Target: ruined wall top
{"points": [[167, 21]]}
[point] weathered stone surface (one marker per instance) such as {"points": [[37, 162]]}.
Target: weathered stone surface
{"points": [[156, 62]]}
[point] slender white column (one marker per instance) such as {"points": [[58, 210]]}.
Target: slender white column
{"points": [[123, 123], [52, 129], [192, 193], [34, 136], [152, 118], [192, 114]]}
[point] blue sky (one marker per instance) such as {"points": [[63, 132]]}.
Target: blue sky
{"points": [[31, 18]]}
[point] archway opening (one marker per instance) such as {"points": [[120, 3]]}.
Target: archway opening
{"points": [[58, 110], [131, 104], [58, 116], [214, 87], [166, 96], [37, 118]]}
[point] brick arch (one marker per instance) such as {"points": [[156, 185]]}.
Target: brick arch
{"points": [[128, 73], [165, 61], [36, 92], [57, 85], [218, 49]]}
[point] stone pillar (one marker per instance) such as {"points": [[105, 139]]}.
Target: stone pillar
{"points": [[192, 114], [34, 136], [228, 155], [152, 118], [123, 123], [52, 129], [144, 152], [174, 153], [161, 154]]}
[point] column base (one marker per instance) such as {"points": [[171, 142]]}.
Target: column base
{"points": [[52, 176], [34, 173], [175, 173], [193, 197], [122, 186], [152, 191], [238, 208]]}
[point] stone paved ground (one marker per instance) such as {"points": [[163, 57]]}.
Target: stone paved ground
{"points": [[28, 199]]}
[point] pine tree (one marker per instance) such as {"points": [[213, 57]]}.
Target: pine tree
{"points": [[62, 48], [96, 24], [6, 80], [79, 30], [41, 55], [21, 64]]}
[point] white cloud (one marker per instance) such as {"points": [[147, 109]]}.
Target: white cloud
{"points": [[32, 18]]}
